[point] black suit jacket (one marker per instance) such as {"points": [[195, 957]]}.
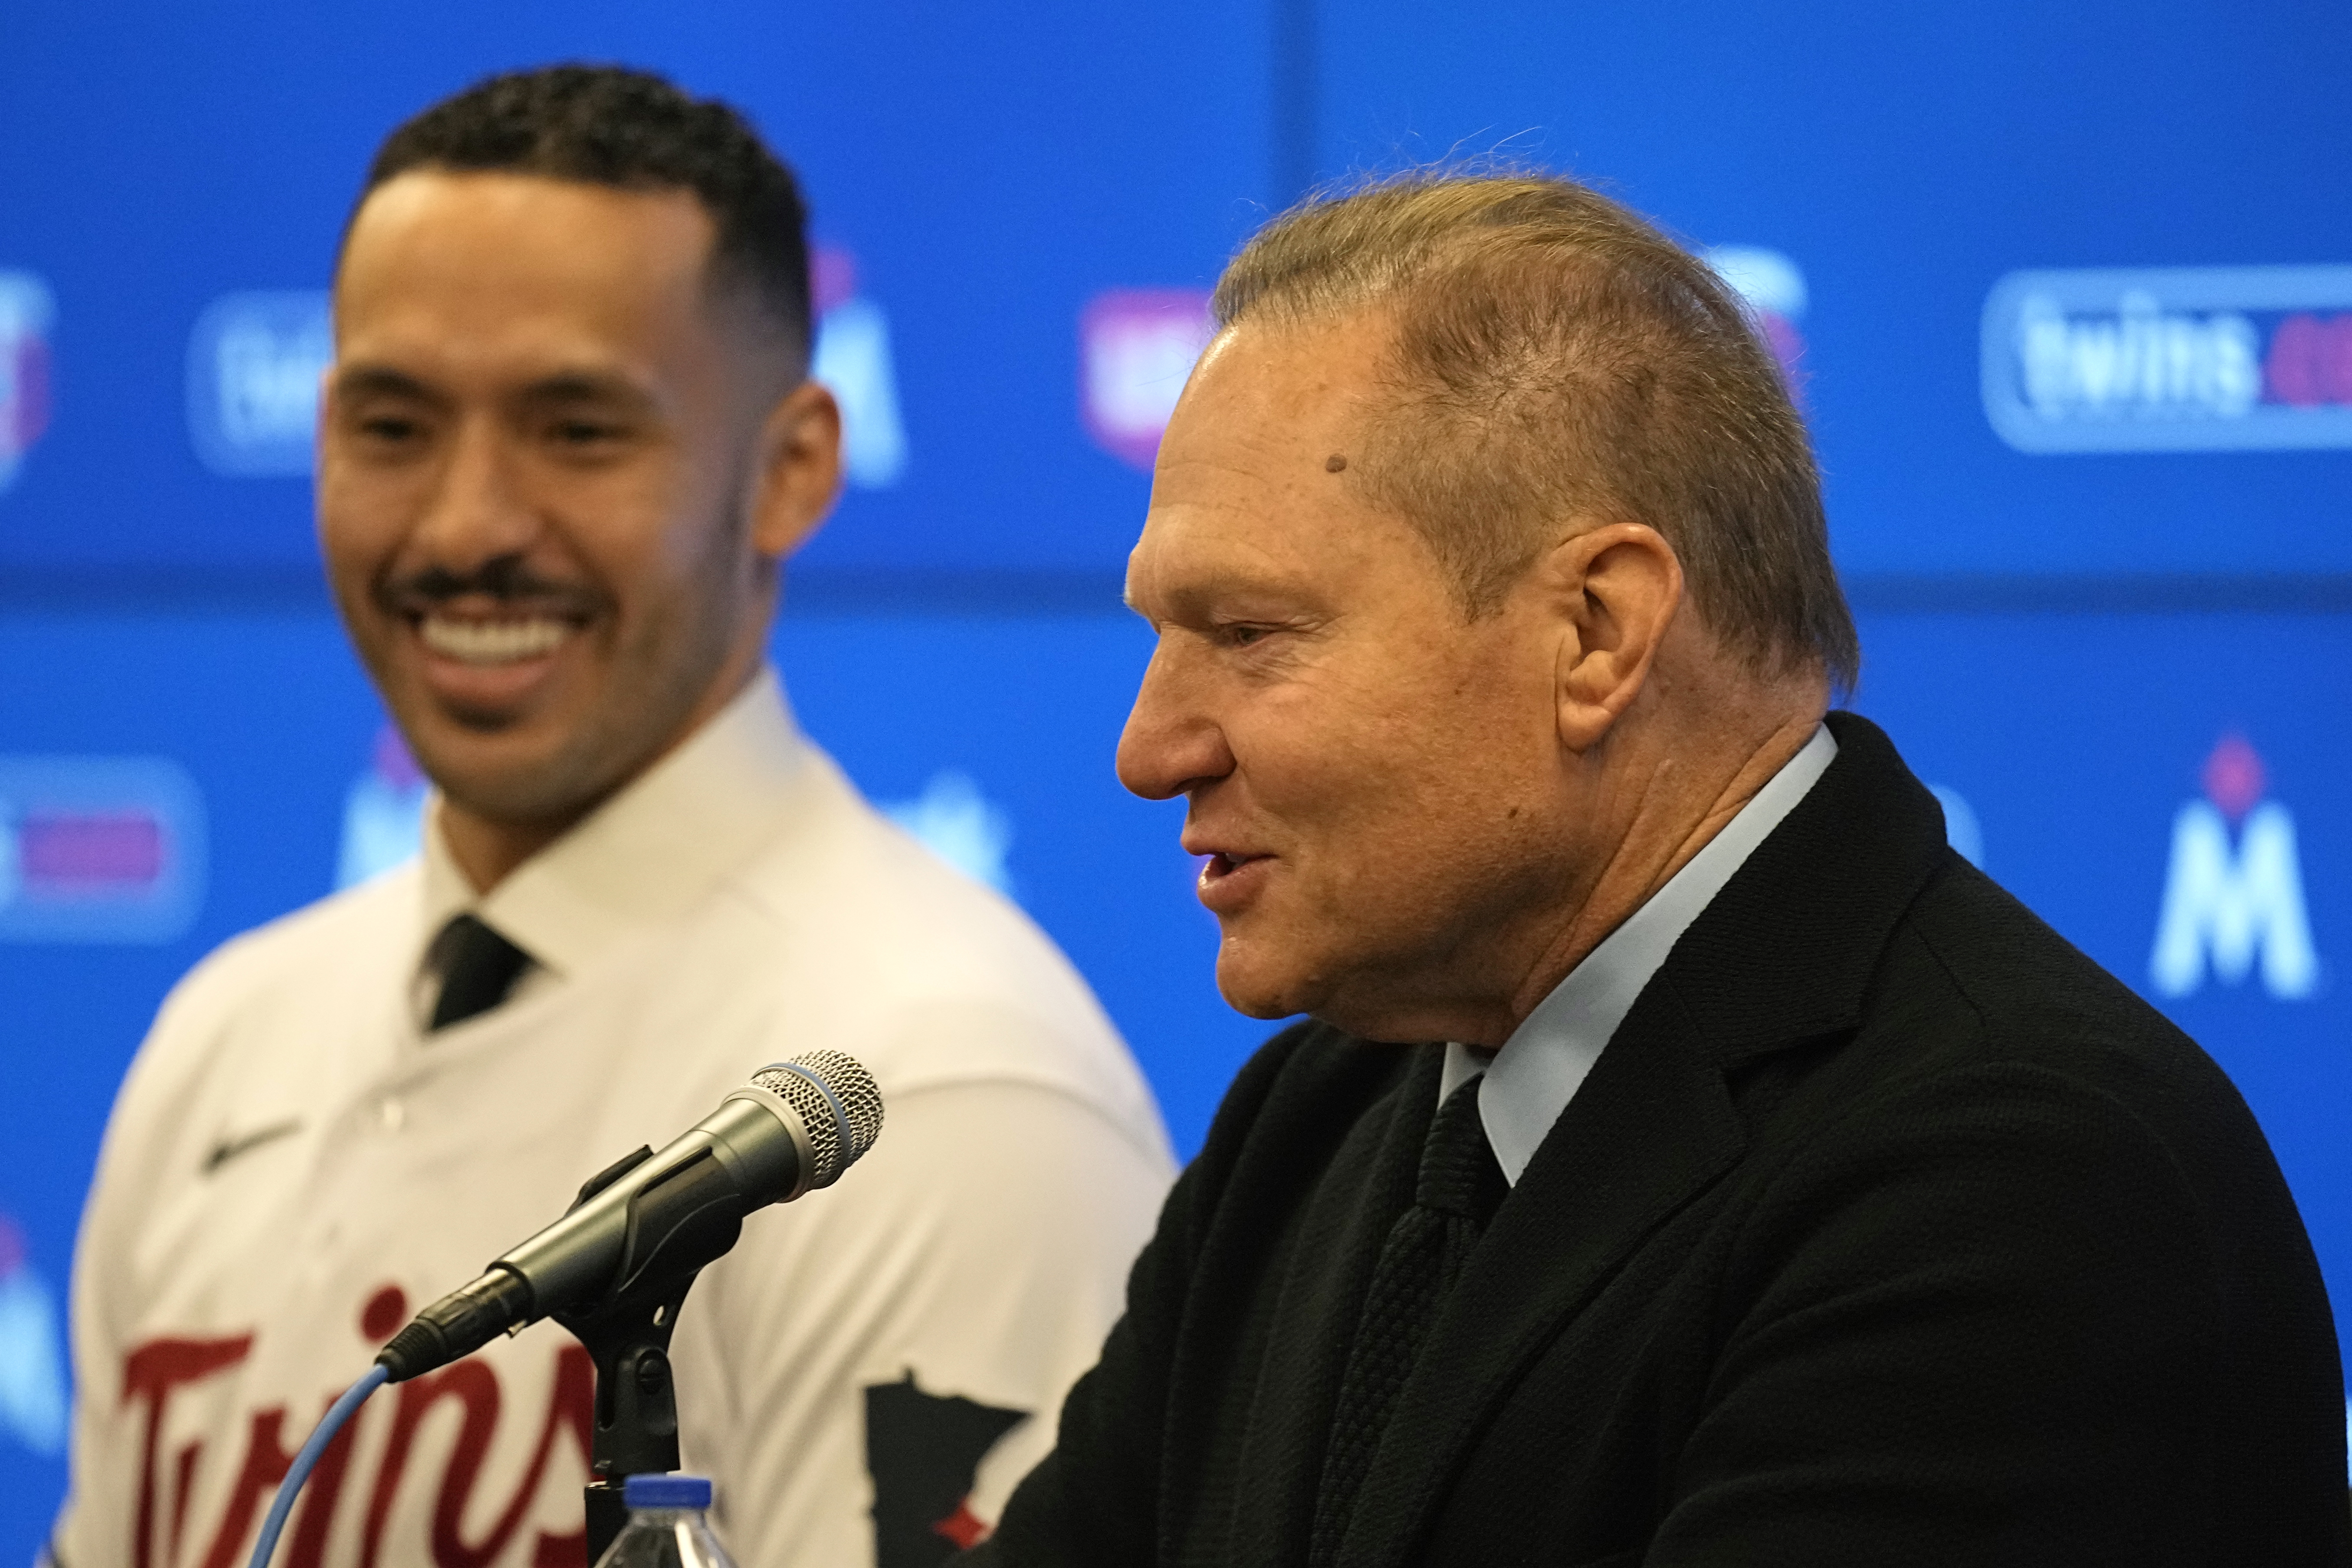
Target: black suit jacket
{"points": [[1888, 1230]]}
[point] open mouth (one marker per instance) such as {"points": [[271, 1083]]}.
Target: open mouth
{"points": [[500, 621], [1230, 881], [490, 659], [487, 644]]}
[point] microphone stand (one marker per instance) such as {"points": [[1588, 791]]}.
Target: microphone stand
{"points": [[627, 1337]]}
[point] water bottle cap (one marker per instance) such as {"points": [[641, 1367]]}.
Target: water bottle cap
{"points": [[666, 1492]]}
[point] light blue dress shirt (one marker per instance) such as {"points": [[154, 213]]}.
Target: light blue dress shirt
{"points": [[1531, 1078]]}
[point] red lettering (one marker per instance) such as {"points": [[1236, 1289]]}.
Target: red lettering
{"points": [[151, 1372], [315, 1513], [155, 1371], [572, 1405], [266, 1461], [2310, 361], [184, 1487], [475, 1387]]}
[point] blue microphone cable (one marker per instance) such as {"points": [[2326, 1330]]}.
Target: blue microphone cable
{"points": [[307, 1460]]}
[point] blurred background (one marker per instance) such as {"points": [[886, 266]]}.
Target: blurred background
{"points": [[2065, 291]]}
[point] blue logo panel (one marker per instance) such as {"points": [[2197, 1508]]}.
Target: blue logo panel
{"points": [[253, 364], [104, 850], [26, 312], [2217, 359]]}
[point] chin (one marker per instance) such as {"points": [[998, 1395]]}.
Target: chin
{"points": [[508, 783], [1268, 1011], [1253, 993], [1355, 1009]]}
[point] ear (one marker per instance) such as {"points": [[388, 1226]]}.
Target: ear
{"points": [[799, 469], [1618, 587]]}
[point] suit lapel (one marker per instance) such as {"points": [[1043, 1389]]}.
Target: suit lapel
{"points": [[1330, 1270], [1330, 1158], [1651, 1128], [1781, 957]]}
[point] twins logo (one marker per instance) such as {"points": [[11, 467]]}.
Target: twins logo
{"points": [[166, 1536], [26, 312], [2177, 359], [922, 1451], [2226, 903]]}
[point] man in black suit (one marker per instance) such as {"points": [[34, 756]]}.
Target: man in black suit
{"points": [[1767, 1187]]}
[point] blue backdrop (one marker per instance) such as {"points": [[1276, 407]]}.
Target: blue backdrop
{"points": [[2068, 293]]}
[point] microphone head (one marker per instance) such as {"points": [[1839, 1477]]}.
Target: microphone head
{"points": [[839, 1108]]}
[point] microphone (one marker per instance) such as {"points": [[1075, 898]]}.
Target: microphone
{"points": [[796, 1127]]}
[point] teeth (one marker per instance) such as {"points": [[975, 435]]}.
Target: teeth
{"points": [[493, 642]]}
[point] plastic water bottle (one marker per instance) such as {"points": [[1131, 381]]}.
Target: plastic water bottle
{"points": [[667, 1528]]}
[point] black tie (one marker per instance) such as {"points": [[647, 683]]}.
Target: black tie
{"points": [[1459, 1187], [478, 968]]}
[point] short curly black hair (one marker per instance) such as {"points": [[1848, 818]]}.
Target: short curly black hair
{"points": [[610, 125]]}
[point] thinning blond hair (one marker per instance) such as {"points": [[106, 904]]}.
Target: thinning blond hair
{"points": [[1559, 364]]}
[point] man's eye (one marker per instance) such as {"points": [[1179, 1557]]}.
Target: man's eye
{"points": [[585, 433], [1243, 636], [389, 428]]}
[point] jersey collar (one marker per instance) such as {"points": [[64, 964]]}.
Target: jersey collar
{"points": [[648, 854]]}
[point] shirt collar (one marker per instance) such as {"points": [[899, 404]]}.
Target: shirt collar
{"points": [[645, 855], [1540, 1068]]}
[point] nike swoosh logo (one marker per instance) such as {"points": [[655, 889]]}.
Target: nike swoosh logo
{"points": [[228, 1149]]}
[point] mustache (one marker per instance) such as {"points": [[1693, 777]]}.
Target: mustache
{"points": [[505, 579]]}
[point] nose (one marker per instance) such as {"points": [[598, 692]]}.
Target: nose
{"points": [[477, 513], [1173, 744]]}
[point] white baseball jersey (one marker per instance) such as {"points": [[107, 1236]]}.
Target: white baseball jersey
{"points": [[294, 1167]]}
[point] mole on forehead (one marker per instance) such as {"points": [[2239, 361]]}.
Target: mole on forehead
{"points": [[1335, 462]]}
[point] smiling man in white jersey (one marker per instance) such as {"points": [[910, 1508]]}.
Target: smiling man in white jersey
{"points": [[566, 444]]}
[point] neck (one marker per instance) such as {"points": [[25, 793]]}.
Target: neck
{"points": [[1673, 819], [488, 849], [1658, 799]]}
